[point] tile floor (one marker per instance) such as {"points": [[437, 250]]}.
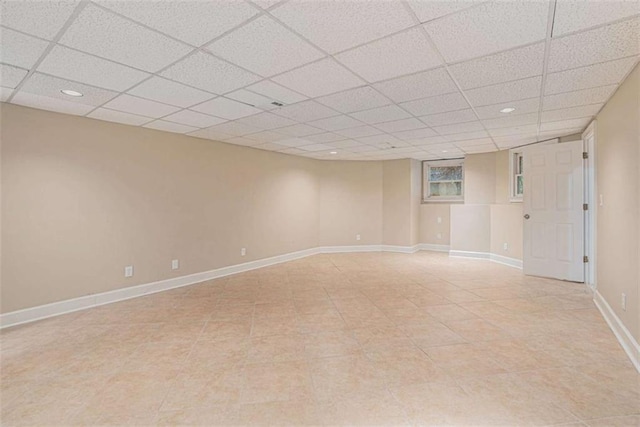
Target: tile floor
{"points": [[345, 339]]}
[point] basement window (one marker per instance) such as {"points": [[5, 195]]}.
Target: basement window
{"points": [[517, 178], [443, 181]]}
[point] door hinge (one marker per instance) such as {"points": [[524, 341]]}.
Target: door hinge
{"points": [[585, 259], [585, 207], [585, 155]]}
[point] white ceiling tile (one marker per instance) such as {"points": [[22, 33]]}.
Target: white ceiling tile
{"points": [[572, 15], [270, 146], [359, 131], [11, 77], [571, 113], [325, 137], [305, 111], [436, 104], [611, 72], [110, 36], [241, 140], [484, 148], [505, 92], [191, 118], [354, 99], [336, 123], [382, 140], [170, 92], [459, 128], [415, 134], [294, 142], [70, 64], [252, 98], [51, 104], [210, 134], [599, 45], [319, 78], [427, 141], [5, 93], [518, 130], [381, 114], [427, 10], [488, 28], [206, 72], [264, 47], [41, 84], [363, 148], [505, 142], [267, 121], [275, 92], [401, 125], [206, 19], [514, 64], [118, 117], [347, 143], [293, 151], [267, 136], [450, 117], [316, 147], [403, 53], [416, 86], [522, 106], [232, 129], [565, 124], [335, 26], [169, 126], [20, 50], [511, 121], [474, 142], [596, 95], [300, 129], [226, 108], [142, 107], [40, 18], [467, 135]]}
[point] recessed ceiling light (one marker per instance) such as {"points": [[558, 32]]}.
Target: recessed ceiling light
{"points": [[333, 152], [70, 92], [507, 110], [444, 151]]}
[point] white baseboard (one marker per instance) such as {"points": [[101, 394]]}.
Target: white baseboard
{"points": [[81, 303], [626, 340], [511, 262], [469, 254], [433, 247]]}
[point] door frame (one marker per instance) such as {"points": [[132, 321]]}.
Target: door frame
{"points": [[591, 199]]}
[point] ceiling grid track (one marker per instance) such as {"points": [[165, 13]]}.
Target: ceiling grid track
{"points": [[547, 52]]}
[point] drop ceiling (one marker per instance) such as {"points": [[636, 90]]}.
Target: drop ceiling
{"points": [[356, 80]]}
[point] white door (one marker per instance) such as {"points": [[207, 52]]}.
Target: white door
{"points": [[553, 212]]}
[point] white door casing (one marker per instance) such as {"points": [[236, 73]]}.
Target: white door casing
{"points": [[553, 211]]}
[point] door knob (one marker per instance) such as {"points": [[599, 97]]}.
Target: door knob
{"points": [[527, 216]]}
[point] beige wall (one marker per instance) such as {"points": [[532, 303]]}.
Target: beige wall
{"points": [[480, 179], [618, 219], [350, 203], [83, 198], [431, 231], [471, 228], [396, 203]]}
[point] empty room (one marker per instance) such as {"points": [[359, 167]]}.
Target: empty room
{"points": [[320, 212]]}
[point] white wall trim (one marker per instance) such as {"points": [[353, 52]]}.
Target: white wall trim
{"points": [[433, 247], [511, 262], [626, 340], [469, 254], [32, 314]]}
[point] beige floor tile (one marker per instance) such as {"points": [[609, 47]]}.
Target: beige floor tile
{"points": [[336, 377], [272, 382]]}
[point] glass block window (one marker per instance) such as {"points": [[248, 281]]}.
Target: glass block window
{"points": [[443, 180]]}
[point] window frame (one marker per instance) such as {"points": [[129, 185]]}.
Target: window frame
{"points": [[515, 171], [426, 187]]}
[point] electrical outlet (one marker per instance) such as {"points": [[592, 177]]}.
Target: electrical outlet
{"points": [[243, 251], [439, 236], [175, 264], [439, 220], [505, 246], [357, 237], [624, 302], [128, 271]]}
